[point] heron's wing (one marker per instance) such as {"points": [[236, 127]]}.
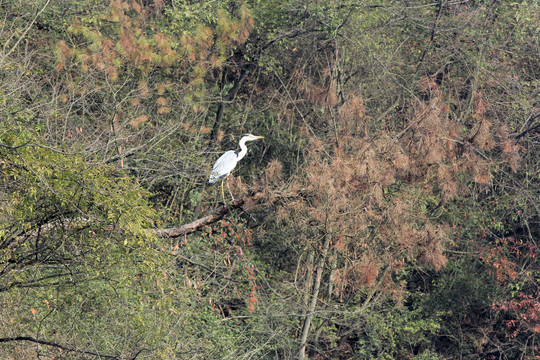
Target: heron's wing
{"points": [[223, 166]]}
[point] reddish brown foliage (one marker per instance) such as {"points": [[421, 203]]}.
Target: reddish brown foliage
{"points": [[369, 190], [526, 309]]}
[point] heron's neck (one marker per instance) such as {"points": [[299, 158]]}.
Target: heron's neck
{"points": [[243, 152]]}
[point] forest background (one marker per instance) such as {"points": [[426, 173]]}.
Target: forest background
{"points": [[391, 211]]}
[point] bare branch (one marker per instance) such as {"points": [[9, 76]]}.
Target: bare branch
{"points": [[14, 147], [532, 128], [216, 215], [67, 348]]}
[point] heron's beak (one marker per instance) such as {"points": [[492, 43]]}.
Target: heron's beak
{"points": [[260, 137]]}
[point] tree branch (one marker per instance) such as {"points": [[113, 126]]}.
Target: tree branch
{"points": [[529, 129], [289, 34], [66, 348], [14, 147], [216, 215], [432, 36]]}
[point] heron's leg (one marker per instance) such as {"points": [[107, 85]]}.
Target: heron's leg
{"points": [[222, 193], [230, 192]]}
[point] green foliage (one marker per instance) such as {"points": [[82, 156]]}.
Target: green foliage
{"points": [[391, 334]]}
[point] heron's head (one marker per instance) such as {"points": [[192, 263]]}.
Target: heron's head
{"points": [[251, 137]]}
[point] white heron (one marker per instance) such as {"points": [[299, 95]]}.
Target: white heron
{"points": [[227, 162]]}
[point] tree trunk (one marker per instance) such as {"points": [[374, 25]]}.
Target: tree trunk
{"points": [[308, 281], [329, 292], [314, 298]]}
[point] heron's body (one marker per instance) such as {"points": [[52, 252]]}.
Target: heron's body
{"points": [[227, 162], [223, 166]]}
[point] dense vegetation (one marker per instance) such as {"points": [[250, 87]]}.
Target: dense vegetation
{"points": [[391, 212]]}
